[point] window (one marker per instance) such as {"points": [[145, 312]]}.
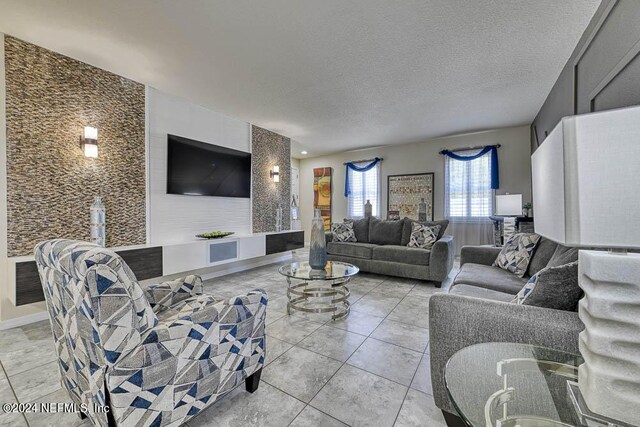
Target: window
{"points": [[364, 186], [468, 194]]}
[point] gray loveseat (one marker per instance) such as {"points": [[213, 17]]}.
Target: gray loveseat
{"points": [[381, 248], [478, 309]]}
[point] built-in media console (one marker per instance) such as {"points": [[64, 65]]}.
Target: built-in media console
{"points": [[148, 262]]}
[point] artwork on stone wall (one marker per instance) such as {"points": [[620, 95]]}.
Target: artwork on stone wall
{"points": [[50, 183], [322, 194], [405, 193], [269, 149]]}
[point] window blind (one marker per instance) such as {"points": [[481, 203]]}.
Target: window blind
{"points": [[364, 186], [468, 194]]}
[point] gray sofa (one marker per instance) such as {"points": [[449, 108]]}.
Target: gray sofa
{"points": [[381, 248], [478, 309]]}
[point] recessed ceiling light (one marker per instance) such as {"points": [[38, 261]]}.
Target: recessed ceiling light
{"points": [[304, 152]]}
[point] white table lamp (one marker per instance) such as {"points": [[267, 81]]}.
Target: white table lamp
{"points": [[586, 190]]}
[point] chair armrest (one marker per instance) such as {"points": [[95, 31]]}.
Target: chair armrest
{"points": [[484, 255], [166, 294], [328, 236], [456, 322], [441, 259]]}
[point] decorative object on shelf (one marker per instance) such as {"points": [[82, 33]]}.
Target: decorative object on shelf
{"points": [[318, 250], [98, 222], [214, 235], [322, 194], [274, 173], [585, 185], [279, 218], [422, 210], [527, 209], [406, 192], [89, 141], [509, 205], [393, 215], [368, 209]]}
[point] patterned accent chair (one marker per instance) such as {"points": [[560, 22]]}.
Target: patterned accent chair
{"points": [[155, 356]]}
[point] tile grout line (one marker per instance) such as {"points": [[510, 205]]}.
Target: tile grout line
{"points": [[6, 375]]}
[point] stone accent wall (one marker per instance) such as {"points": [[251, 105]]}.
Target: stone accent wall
{"points": [[269, 149], [50, 183]]}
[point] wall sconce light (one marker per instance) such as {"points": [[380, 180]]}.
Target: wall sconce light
{"points": [[89, 141], [275, 173]]}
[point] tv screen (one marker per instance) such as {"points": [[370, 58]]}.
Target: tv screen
{"points": [[199, 169]]}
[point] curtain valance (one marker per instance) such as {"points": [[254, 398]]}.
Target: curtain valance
{"points": [[353, 167], [495, 169]]}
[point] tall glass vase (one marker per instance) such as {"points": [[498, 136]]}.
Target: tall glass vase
{"points": [[318, 250], [98, 221]]}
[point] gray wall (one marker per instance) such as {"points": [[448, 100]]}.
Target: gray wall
{"points": [[602, 73], [514, 157]]}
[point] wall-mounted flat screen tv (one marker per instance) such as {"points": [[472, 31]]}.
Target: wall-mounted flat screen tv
{"points": [[196, 168]]}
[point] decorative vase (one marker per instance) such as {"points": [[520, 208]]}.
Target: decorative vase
{"points": [[318, 250], [368, 209], [279, 219], [422, 210], [98, 220]]}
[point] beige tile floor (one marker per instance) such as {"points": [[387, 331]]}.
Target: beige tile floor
{"points": [[371, 368]]}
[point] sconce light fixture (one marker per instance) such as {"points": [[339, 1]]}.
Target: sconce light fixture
{"points": [[89, 141], [275, 173]]}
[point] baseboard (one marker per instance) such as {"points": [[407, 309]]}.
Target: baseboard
{"points": [[23, 320]]}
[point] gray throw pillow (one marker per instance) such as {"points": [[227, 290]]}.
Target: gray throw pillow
{"points": [[553, 287], [423, 236], [563, 255], [408, 223], [516, 253], [343, 232], [385, 232], [360, 228]]}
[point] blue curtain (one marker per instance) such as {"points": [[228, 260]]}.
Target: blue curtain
{"points": [[495, 170], [352, 166]]}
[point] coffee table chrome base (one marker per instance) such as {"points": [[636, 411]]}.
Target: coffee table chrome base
{"points": [[320, 297]]}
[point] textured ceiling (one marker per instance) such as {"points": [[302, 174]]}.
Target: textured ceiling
{"points": [[331, 74]]}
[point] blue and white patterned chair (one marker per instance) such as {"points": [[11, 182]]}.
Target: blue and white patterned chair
{"points": [[155, 356]]}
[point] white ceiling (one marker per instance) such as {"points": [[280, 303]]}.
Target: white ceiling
{"points": [[331, 74]]}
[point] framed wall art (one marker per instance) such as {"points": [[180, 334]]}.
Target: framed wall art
{"points": [[411, 195], [322, 194]]}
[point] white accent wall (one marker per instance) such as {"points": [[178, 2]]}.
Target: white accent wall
{"points": [[177, 218]]}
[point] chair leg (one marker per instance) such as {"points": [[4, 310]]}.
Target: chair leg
{"points": [[252, 381]]}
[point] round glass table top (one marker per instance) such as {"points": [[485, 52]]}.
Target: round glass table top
{"points": [[333, 270], [508, 382]]}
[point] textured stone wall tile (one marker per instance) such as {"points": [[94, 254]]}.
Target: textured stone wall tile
{"points": [[51, 185], [269, 149]]}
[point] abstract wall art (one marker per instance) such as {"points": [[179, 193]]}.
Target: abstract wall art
{"points": [[405, 193], [322, 194]]}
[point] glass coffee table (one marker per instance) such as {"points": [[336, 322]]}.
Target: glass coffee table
{"points": [[319, 291]]}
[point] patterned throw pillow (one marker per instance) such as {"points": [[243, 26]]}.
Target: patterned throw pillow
{"points": [[526, 290], [423, 236], [343, 232], [517, 252]]}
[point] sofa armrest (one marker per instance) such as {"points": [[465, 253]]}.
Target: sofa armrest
{"points": [[163, 295], [484, 255], [328, 236], [441, 259], [456, 322]]}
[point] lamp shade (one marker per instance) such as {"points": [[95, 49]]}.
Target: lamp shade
{"points": [[509, 204], [586, 180]]}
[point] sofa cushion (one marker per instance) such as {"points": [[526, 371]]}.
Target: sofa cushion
{"points": [[478, 292], [489, 277], [423, 236], [407, 228], [351, 249], [563, 255], [385, 232], [541, 256], [516, 253], [360, 228], [342, 232], [402, 254], [553, 287]]}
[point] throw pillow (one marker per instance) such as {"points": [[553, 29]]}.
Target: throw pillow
{"points": [[516, 253], [385, 232], [343, 232], [360, 228], [423, 236], [408, 224], [553, 287]]}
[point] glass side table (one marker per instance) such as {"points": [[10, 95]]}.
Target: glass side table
{"points": [[319, 291], [505, 384]]}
